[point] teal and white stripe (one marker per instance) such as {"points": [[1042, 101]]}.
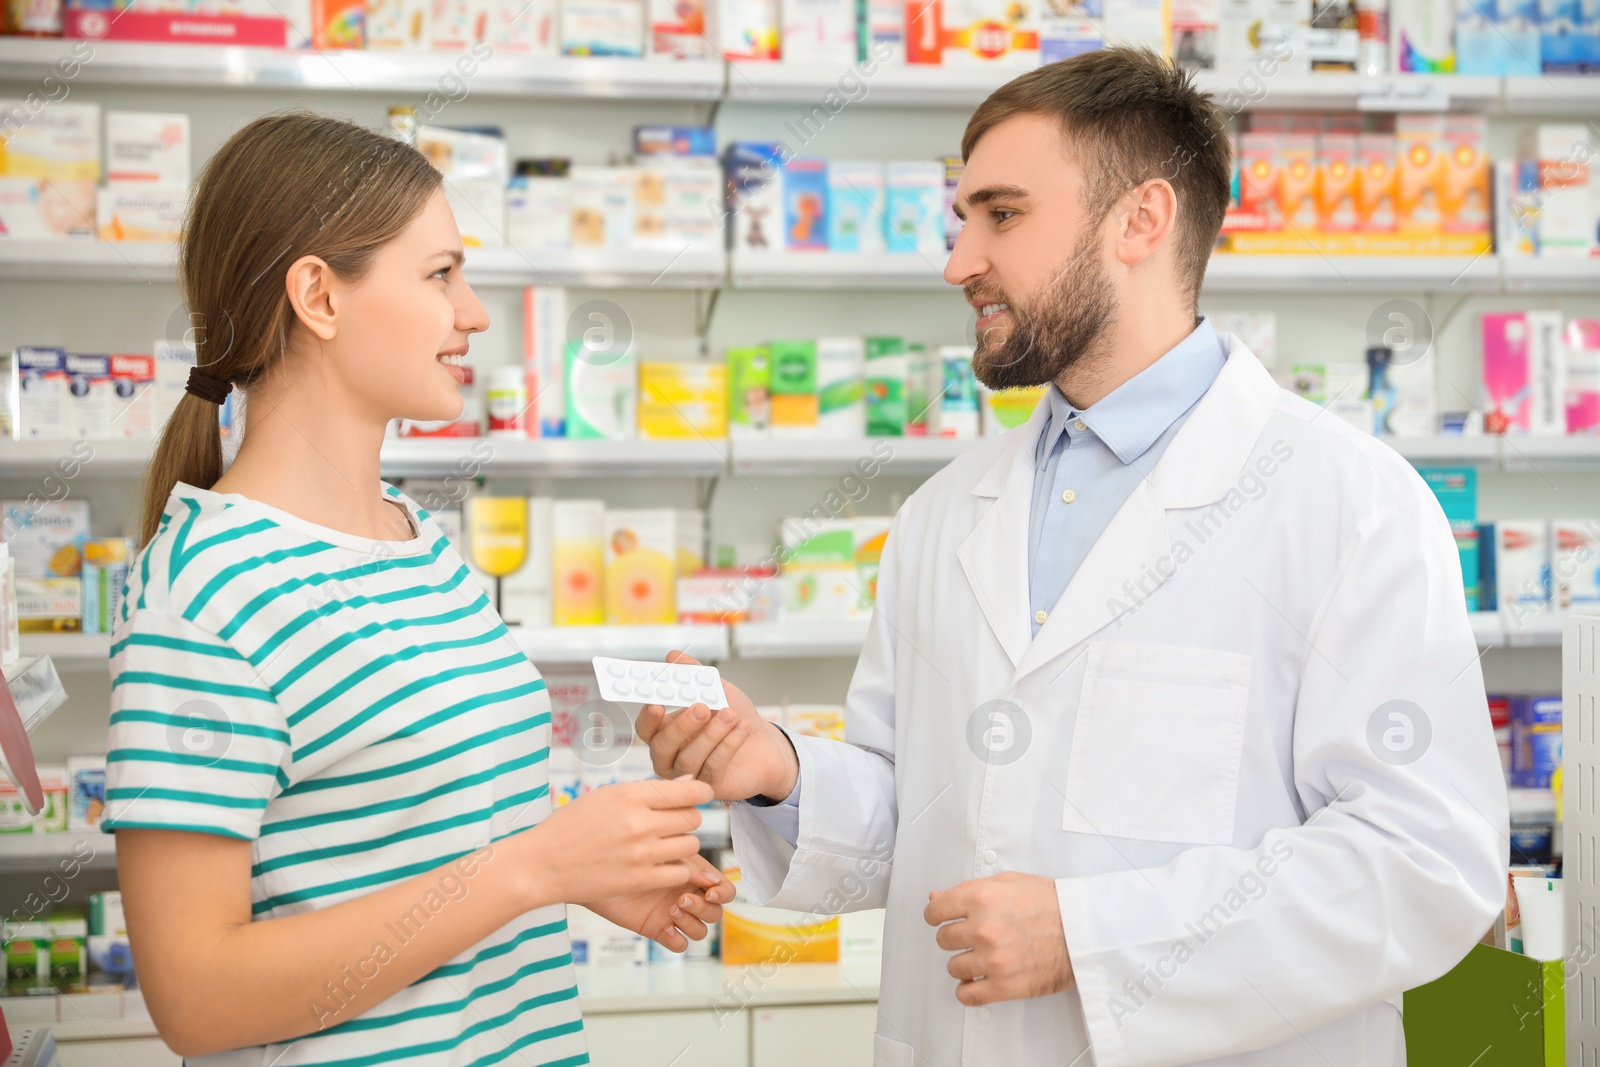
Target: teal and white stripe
{"points": [[357, 711]]}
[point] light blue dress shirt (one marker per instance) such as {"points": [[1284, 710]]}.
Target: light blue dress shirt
{"points": [[1086, 465]]}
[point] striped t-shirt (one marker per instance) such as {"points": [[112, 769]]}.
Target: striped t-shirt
{"points": [[357, 710]]}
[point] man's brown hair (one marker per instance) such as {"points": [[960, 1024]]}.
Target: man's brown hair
{"points": [[1129, 115]]}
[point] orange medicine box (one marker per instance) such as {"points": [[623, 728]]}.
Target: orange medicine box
{"points": [[1297, 180], [338, 23], [1375, 183], [1336, 183], [1464, 197], [1258, 177], [1418, 174]]}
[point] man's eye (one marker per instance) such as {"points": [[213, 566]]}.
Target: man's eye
{"points": [[998, 212]]}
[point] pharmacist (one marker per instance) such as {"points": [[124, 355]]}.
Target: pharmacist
{"points": [[1168, 742]]}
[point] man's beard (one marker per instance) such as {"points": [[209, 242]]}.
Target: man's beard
{"points": [[1072, 319]]}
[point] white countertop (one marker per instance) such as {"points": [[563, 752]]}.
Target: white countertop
{"points": [[609, 990]]}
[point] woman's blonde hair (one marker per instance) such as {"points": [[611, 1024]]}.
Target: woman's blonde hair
{"points": [[285, 186]]}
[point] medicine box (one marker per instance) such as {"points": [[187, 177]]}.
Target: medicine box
{"points": [[1575, 564], [602, 27], [886, 386], [1535, 740], [679, 29], [578, 562], [133, 396], [841, 405], [86, 405], [1456, 489], [914, 206], [793, 388], [1522, 566], [641, 580], [40, 388], [147, 147], [855, 206], [755, 196], [805, 205], [45, 539], [602, 393], [749, 379], [86, 798], [683, 400]]}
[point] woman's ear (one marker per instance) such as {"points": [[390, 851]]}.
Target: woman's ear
{"points": [[310, 283]]}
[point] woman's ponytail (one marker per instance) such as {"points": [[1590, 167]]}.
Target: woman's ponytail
{"points": [[190, 451]]}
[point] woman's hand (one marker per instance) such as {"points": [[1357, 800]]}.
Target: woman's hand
{"points": [[668, 916], [618, 841]]}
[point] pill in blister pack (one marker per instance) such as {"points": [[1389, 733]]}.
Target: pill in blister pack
{"points": [[672, 685]]}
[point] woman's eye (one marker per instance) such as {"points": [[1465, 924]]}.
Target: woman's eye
{"points": [[1002, 211], [440, 273]]}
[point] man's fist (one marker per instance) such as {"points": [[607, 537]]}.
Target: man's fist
{"points": [[1007, 935]]}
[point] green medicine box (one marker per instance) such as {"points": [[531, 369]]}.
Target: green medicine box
{"points": [[1494, 1009]]}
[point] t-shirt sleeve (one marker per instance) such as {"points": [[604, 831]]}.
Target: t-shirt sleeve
{"points": [[198, 742]]}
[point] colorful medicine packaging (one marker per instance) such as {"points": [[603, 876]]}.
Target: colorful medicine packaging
{"points": [[1535, 740], [1522, 566], [855, 207], [1524, 372], [640, 577], [578, 557], [602, 390], [46, 539], [1456, 489], [683, 400], [1575, 564]]}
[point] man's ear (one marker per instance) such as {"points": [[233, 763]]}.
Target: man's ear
{"points": [[1146, 217]]}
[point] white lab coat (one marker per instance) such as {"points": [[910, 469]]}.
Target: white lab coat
{"points": [[1242, 879]]}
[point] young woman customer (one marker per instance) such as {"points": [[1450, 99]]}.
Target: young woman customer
{"points": [[328, 772]]}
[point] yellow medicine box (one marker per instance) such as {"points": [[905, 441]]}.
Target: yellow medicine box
{"points": [[683, 400]]}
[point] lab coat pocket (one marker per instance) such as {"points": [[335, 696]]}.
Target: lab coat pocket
{"points": [[887, 1052], [1157, 745]]}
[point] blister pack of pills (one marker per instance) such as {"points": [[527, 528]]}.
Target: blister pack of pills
{"points": [[672, 685]]}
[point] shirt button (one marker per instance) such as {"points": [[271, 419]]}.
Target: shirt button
{"points": [[1068, 496], [989, 856], [1077, 424], [1040, 615]]}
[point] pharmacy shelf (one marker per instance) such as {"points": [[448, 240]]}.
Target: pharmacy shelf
{"points": [[70, 651], [901, 85], [1474, 450], [1552, 94], [68, 460], [694, 984], [838, 270], [1334, 274], [689, 986], [470, 457], [799, 640], [154, 263], [1249, 90], [86, 260], [578, 644], [1226, 273], [370, 70], [418, 457], [1548, 455], [1533, 631], [1551, 274], [840, 456], [966, 86], [544, 644], [48, 851]]}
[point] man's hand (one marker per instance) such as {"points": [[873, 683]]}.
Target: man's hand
{"points": [[1007, 936], [670, 915], [735, 750]]}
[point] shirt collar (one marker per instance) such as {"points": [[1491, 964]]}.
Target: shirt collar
{"points": [[1132, 416]]}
